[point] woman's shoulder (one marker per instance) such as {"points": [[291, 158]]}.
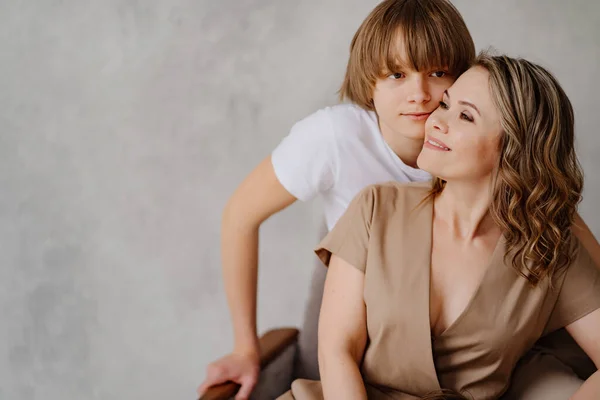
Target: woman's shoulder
{"points": [[394, 197], [399, 191]]}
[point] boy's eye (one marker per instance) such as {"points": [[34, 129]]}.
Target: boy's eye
{"points": [[439, 74], [397, 75]]}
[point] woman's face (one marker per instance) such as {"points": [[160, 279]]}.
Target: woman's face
{"points": [[462, 135]]}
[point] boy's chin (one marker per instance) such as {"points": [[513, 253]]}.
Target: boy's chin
{"points": [[412, 133]]}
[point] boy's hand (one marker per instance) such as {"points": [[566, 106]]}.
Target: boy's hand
{"points": [[241, 368]]}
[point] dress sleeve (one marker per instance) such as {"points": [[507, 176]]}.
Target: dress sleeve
{"points": [[349, 238], [579, 294]]}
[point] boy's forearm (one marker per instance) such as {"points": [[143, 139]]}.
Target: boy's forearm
{"points": [[240, 269]]}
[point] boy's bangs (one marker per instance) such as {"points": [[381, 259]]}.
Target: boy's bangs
{"points": [[417, 38], [420, 50]]}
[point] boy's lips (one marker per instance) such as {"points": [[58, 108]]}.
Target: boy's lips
{"points": [[417, 116]]}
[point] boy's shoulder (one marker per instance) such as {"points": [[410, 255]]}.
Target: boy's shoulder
{"points": [[343, 126], [346, 121], [347, 113]]}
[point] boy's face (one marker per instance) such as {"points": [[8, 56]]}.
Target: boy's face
{"points": [[404, 100]]}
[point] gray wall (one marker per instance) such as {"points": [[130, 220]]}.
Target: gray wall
{"points": [[125, 126]]}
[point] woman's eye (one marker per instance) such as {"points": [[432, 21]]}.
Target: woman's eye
{"points": [[443, 105], [466, 117], [397, 75], [439, 74]]}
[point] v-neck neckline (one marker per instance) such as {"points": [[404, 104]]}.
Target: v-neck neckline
{"points": [[466, 310], [421, 245], [489, 269]]}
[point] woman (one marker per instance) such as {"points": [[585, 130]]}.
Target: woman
{"points": [[447, 286]]}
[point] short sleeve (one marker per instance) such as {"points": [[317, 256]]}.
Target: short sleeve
{"points": [[349, 238], [304, 161], [579, 294]]}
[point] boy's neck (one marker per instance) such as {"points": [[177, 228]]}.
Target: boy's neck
{"points": [[407, 149]]}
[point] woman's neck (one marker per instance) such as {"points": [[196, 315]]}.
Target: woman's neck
{"points": [[464, 208]]}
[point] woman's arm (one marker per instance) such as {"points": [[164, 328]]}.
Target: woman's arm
{"points": [[586, 332], [587, 239], [342, 332]]}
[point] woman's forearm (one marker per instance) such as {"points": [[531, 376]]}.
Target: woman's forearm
{"points": [[340, 377], [590, 388]]}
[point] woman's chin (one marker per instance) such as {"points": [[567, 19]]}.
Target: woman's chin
{"points": [[425, 162]]}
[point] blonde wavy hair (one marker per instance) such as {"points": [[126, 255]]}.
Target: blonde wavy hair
{"points": [[538, 180]]}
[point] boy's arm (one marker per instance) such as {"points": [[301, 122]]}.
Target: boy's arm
{"points": [[258, 197]]}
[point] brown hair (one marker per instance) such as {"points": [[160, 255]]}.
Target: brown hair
{"points": [[539, 181], [432, 33]]}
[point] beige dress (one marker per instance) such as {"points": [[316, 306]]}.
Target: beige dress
{"points": [[386, 233]]}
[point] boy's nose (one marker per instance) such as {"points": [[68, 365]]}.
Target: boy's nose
{"points": [[419, 92]]}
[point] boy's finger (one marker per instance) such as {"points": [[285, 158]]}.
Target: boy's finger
{"points": [[244, 392]]}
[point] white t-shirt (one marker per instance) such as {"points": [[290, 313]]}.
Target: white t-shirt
{"points": [[337, 152]]}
